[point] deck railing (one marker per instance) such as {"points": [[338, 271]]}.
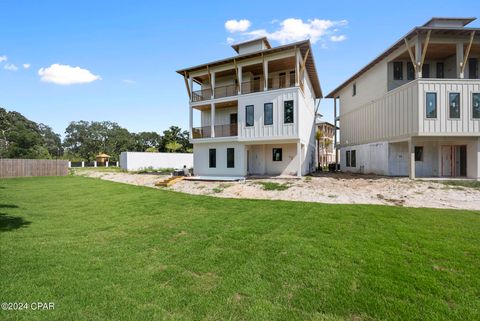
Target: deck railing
{"points": [[203, 94], [225, 91], [225, 130]]}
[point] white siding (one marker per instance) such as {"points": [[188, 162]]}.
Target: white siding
{"points": [[134, 161], [201, 159]]}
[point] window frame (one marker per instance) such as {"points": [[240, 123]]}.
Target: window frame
{"points": [[473, 94], [273, 154], [212, 162], [412, 69], [353, 158], [285, 112], [397, 76], [347, 158], [247, 108], [230, 157], [354, 89], [427, 93], [418, 151], [450, 93], [265, 105]]}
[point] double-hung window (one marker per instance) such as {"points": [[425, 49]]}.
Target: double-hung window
{"points": [[454, 105], [268, 114], [431, 105], [212, 158], [249, 116]]}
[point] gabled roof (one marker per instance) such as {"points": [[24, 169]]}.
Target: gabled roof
{"points": [[304, 46], [457, 31], [236, 46]]}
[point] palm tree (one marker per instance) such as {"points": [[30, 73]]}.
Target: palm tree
{"points": [[318, 137]]}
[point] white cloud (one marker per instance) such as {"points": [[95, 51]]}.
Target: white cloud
{"points": [[3, 58], [237, 25], [66, 75], [339, 38], [230, 40], [293, 29], [129, 81], [26, 66], [10, 67]]}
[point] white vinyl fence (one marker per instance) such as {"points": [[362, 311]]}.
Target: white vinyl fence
{"points": [[135, 161]]}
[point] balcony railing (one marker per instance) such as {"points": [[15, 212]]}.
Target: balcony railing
{"points": [[203, 94], [226, 130], [252, 86], [225, 91]]}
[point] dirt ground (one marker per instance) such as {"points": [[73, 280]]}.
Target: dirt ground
{"points": [[328, 188]]}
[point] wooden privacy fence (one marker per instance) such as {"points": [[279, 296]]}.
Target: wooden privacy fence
{"points": [[33, 167]]}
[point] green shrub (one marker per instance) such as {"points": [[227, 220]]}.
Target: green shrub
{"points": [[273, 186]]}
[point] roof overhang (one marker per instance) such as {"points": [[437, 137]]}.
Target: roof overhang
{"points": [[410, 35], [236, 46], [303, 46]]}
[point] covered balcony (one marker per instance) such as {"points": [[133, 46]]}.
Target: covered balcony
{"points": [[216, 120]]}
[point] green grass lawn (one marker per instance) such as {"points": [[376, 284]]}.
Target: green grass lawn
{"points": [[106, 251]]}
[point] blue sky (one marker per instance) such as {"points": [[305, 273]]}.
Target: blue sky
{"points": [[128, 51]]}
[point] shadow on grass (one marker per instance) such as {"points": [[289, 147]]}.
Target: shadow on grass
{"points": [[8, 222]]}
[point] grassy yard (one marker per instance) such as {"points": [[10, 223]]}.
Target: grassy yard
{"points": [[106, 251]]}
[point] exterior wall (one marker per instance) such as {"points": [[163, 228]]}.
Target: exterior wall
{"points": [[201, 159], [370, 159], [261, 159], [443, 125], [134, 161], [279, 129], [391, 116]]}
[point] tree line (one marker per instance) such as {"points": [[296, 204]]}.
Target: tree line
{"points": [[23, 138]]}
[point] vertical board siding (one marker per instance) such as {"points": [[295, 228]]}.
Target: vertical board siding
{"points": [[33, 167], [392, 115], [443, 124]]}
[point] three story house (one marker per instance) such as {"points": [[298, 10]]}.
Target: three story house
{"points": [[254, 113], [415, 109]]}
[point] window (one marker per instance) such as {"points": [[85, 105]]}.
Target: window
{"points": [[440, 70], [354, 88], [426, 71], [282, 80], [473, 68], [212, 158], [348, 158], [268, 114], [476, 105], [410, 71], [277, 155], [292, 78], [249, 115], [288, 112], [419, 153], [431, 105], [230, 157], [454, 104], [397, 70], [353, 161]]}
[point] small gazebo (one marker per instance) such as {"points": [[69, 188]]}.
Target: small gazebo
{"points": [[102, 158]]}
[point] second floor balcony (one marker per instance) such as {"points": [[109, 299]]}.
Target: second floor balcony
{"points": [[224, 130]]}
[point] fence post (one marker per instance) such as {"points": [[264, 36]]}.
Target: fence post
{"points": [[95, 164], [83, 164]]}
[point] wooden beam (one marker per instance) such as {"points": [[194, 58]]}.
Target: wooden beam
{"points": [[236, 74], [465, 58], [209, 76], [304, 61], [412, 58], [425, 47], [187, 85]]}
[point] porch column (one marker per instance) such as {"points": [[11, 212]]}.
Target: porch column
{"points": [[190, 120], [411, 158], [418, 56], [299, 157], [213, 85], [212, 120], [459, 57], [240, 80], [190, 86], [297, 69], [335, 131], [265, 75]]}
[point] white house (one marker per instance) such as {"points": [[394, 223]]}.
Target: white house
{"points": [[254, 112], [415, 109]]}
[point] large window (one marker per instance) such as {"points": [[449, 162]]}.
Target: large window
{"points": [[277, 154], [353, 161], [440, 70], [476, 105], [354, 89], [288, 112], [249, 115], [397, 70], [454, 105], [268, 114], [431, 105], [212, 158], [348, 159], [473, 68], [418, 153], [410, 71], [230, 157], [426, 71]]}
